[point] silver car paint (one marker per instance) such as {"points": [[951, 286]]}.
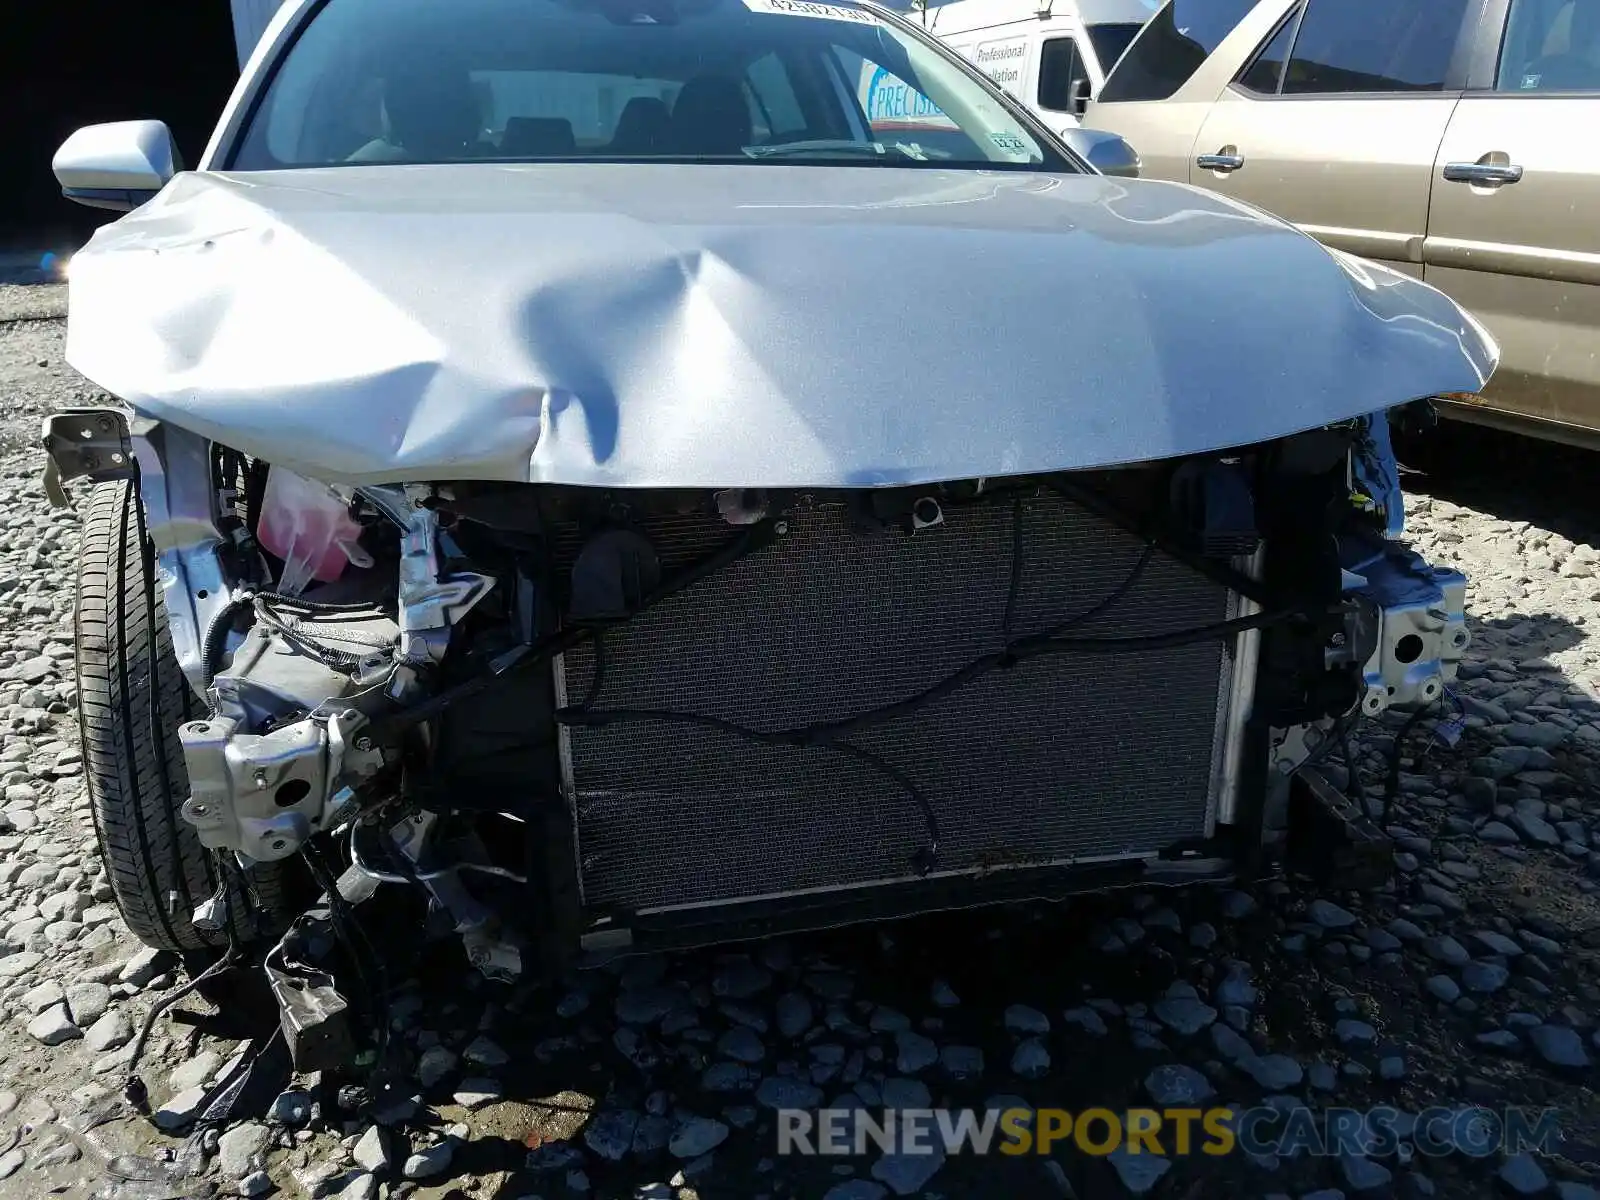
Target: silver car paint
{"points": [[685, 325]]}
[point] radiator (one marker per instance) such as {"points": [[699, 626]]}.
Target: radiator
{"points": [[1058, 759]]}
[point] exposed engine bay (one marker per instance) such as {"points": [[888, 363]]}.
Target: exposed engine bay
{"points": [[614, 719]]}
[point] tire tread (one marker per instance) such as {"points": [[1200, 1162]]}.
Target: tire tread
{"points": [[132, 698]]}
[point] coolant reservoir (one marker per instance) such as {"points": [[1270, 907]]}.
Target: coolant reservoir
{"points": [[308, 525]]}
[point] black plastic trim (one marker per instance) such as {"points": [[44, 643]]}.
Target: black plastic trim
{"points": [[1479, 53], [745, 920], [115, 199]]}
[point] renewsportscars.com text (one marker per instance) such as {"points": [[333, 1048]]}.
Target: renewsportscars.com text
{"points": [[1374, 1132]]}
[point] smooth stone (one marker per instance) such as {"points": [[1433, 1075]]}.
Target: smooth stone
{"points": [[425, 1164], [1330, 916], [778, 1091], [1443, 988], [1031, 1060], [794, 1014], [53, 1026], [1484, 977], [1139, 1173], [1275, 1072], [914, 1052], [1019, 1018], [1559, 1046], [907, 1174], [1351, 1032], [239, 1150], [1523, 1176], [1362, 1174], [697, 1136], [1176, 1085]]}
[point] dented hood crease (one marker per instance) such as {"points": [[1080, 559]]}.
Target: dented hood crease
{"points": [[656, 325]]}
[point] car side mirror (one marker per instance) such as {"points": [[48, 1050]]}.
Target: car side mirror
{"points": [[1105, 152], [1078, 100], [119, 165]]}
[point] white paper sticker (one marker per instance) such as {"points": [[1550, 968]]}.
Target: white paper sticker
{"points": [[810, 8]]}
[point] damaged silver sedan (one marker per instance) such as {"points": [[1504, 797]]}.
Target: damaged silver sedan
{"points": [[631, 473]]}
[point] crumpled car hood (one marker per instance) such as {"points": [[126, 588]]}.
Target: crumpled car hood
{"points": [[656, 325]]}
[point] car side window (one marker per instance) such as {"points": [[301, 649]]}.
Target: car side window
{"points": [[1551, 46], [1346, 46], [1060, 66], [1264, 75], [1171, 47]]}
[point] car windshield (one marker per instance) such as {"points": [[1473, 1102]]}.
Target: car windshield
{"points": [[754, 81]]}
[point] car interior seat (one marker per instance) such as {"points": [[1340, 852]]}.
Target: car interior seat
{"points": [[538, 137], [645, 127], [711, 117], [433, 113]]}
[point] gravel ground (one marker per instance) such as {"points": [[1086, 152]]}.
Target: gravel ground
{"points": [[1472, 982]]}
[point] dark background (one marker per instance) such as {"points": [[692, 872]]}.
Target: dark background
{"points": [[66, 63]]}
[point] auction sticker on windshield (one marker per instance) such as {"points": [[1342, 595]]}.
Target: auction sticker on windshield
{"points": [[809, 8]]}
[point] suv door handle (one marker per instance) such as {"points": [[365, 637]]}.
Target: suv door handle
{"points": [[1219, 162], [1482, 173]]}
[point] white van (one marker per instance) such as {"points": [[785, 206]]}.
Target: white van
{"points": [[1052, 55]]}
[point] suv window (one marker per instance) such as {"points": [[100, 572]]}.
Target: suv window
{"points": [[1110, 39], [1551, 46], [1373, 46], [420, 81], [1059, 68], [1265, 74], [1171, 48]]}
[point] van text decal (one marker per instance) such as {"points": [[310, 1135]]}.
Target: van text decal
{"points": [[1003, 62]]}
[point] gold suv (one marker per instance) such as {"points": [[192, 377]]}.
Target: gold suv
{"points": [[1457, 140]]}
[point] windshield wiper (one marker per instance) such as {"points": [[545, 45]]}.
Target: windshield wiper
{"points": [[826, 146]]}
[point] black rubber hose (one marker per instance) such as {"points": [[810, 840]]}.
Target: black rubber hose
{"points": [[216, 639], [284, 600], [1391, 786]]}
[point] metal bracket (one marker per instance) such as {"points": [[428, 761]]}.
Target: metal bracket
{"points": [[430, 603], [1414, 631], [85, 443], [263, 795], [179, 497]]}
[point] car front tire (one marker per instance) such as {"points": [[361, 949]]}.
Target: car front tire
{"points": [[132, 697]]}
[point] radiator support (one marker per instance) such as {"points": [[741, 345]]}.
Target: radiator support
{"points": [[1058, 765]]}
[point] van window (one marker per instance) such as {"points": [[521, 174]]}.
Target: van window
{"points": [[1059, 68], [1373, 46], [1171, 48]]}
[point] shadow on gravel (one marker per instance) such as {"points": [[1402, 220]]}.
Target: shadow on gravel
{"points": [[1513, 477], [1527, 636]]}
